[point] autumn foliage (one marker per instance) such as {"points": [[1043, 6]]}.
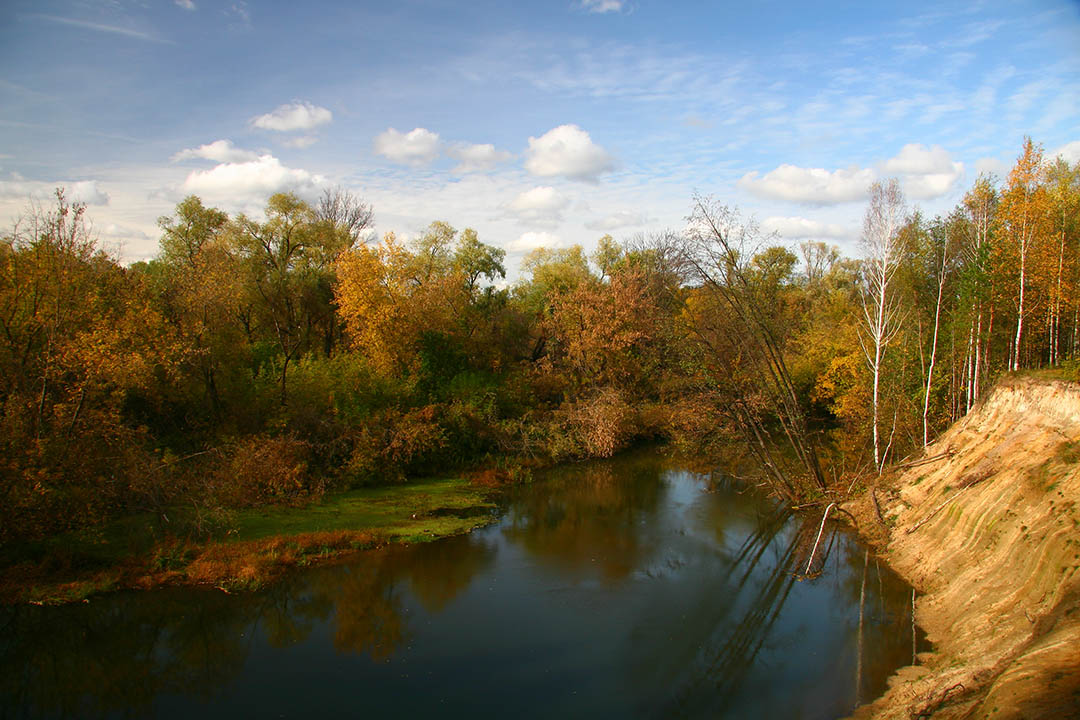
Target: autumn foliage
{"points": [[270, 359]]}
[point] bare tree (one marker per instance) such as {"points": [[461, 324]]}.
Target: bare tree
{"points": [[881, 319], [817, 258], [721, 248], [345, 210]]}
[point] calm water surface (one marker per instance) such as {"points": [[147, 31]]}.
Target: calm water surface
{"points": [[625, 588]]}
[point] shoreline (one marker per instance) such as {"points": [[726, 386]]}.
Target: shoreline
{"points": [[987, 530], [264, 543]]}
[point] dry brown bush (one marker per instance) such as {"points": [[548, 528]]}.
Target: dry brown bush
{"points": [[263, 469]]}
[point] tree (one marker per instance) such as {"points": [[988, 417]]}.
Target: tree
{"points": [[1023, 212], [286, 257], [980, 208], [720, 255], [395, 299], [881, 312], [944, 261], [345, 211], [1063, 186], [199, 291], [80, 341]]}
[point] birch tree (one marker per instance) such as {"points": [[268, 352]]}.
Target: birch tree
{"points": [[980, 206], [943, 263], [882, 314], [1023, 212], [1063, 182]]}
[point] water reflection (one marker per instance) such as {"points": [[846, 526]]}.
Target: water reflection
{"points": [[628, 587], [590, 517]]}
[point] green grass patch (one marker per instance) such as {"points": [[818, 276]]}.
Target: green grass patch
{"points": [[417, 510], [253, 546]]}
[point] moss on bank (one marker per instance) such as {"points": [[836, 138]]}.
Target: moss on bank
{"points": [[252, 547]]}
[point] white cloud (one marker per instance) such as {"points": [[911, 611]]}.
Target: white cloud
{"points": [[122, 232], [186, 4], [619, 219], [218, 151], [926, 172], [569, 152], [293, 116], [127, 242], [1070, 151], [542, 206], [799, 228], [84, 191], [602, 6], [810, 186], [419, 146], [991, 165], [87, 191], [532, 240], [475, 158], [246, 183]]}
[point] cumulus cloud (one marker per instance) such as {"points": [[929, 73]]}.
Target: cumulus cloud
{"points": [[186, 4], [218, 151], [810, 186], [419, 146], [567, 151], [541, 206], [84, 191], [1069, 151], [293, 116], [476, 158], [241, 183], [800, 228], [620, 219], [532, 240], [87, 191], [926, 172]]}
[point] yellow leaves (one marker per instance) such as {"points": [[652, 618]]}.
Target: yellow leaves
{"points": [[600, 326], [843, 388], [387, 300]]}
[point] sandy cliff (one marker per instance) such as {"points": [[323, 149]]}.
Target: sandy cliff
{"points": [[986, 527]]}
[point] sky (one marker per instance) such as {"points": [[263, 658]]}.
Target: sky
{"points": [[546, 123]]}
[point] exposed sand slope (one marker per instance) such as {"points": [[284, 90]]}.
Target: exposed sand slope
{"points": [[996, 566]]}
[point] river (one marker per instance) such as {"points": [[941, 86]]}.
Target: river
{"points": [[624, 588]]}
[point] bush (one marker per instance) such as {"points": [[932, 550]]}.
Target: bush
{"points": [[269, 470]]}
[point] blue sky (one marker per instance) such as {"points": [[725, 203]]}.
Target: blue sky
{"points": [[535, 123]]}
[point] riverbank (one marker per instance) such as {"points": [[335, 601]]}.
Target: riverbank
{"points": [[252, 548], [985, 526]]}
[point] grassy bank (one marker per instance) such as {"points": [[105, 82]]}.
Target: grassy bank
{"points": [[249, 548]]}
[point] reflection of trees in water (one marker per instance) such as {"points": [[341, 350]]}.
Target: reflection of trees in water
{"points": [[885, 602], [367, 608], [118, 653], [367, 595], [589, 516], [764, 572], [734, 658], [440, 571]]}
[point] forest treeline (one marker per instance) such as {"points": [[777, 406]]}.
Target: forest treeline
{"points": [[267, 360]]}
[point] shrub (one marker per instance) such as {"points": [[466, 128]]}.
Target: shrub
{"points": [[262, 469]]}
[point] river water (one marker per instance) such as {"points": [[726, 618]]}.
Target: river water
{"points": [[625, 588]]}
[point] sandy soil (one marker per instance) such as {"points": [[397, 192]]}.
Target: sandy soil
{"points": [[985, 526]]}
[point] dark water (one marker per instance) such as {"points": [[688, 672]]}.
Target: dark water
{"points": [[628, 588]]}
